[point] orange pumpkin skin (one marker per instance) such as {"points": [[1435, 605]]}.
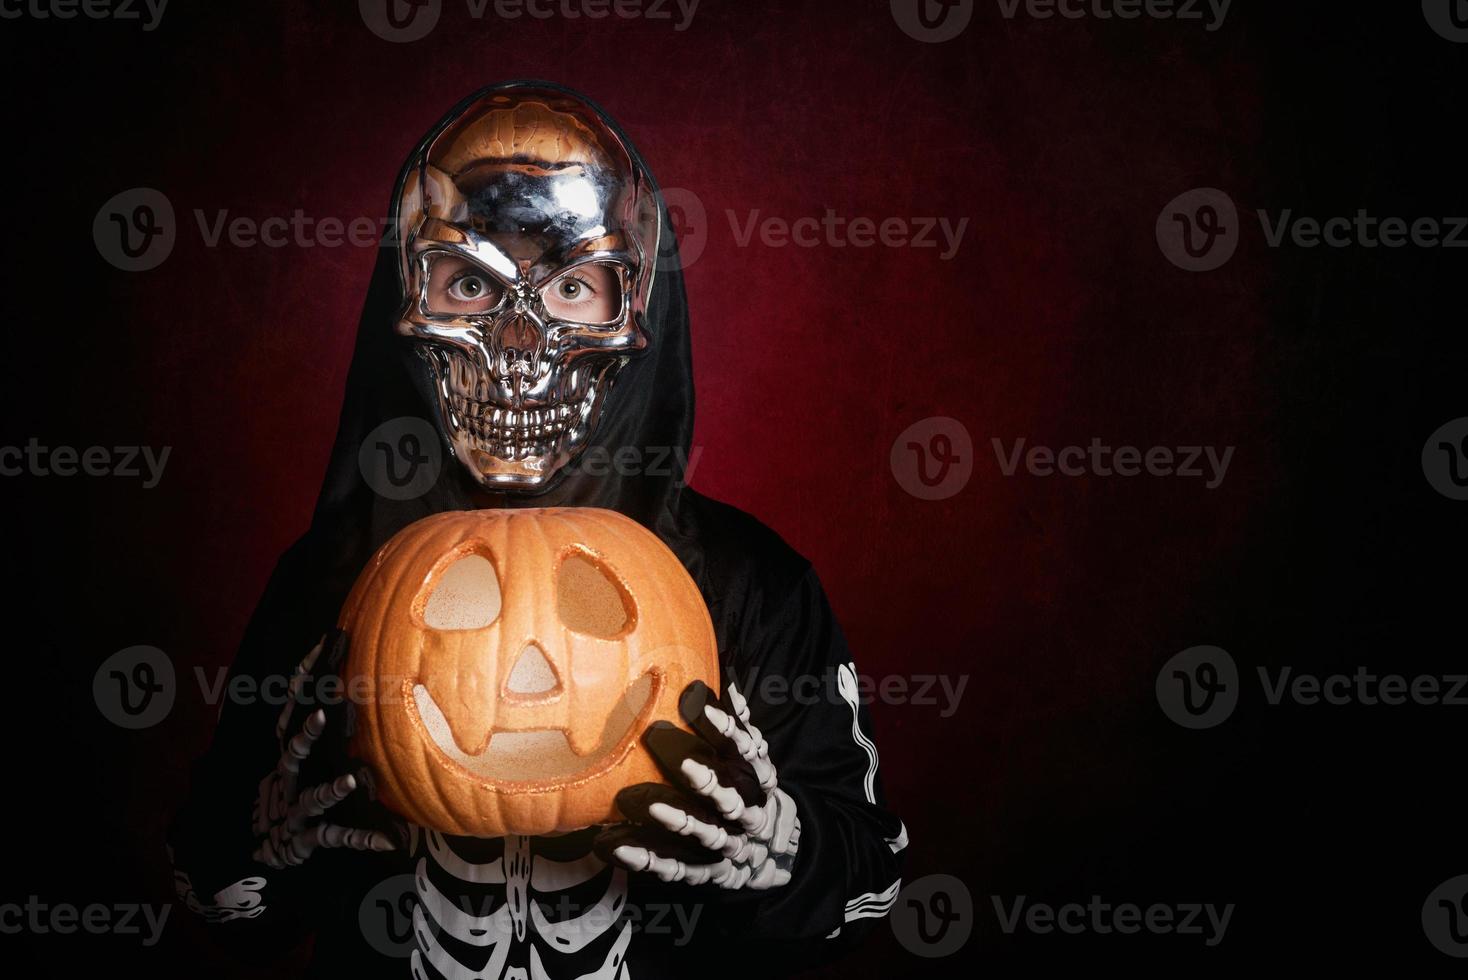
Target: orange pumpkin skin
{"points": [[461, 677]]}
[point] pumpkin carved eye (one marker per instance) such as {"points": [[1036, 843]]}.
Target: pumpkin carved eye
{"points": [[465, 597], [590, 600]]}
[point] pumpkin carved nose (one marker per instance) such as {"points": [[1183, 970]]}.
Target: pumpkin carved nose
{"points": [[532, 674]]}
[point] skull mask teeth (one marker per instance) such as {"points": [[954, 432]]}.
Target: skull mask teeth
{"points": [[526, 185]]}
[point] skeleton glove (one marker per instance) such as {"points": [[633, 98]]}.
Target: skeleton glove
{"points": [[287, 818], [724, 821]]}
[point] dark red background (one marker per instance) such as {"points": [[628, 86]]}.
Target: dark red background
{"points": [[1059, 320]]}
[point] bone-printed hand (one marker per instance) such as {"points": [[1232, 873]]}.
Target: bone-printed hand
{"points": [[288, 818], [724, 821]]}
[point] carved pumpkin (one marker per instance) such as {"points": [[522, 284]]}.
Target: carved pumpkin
{"points": [[515, 658]]}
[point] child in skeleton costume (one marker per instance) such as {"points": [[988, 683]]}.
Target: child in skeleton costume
{"points": [[524, 307]]}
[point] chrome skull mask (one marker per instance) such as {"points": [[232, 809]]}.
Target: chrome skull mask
{"points": [[531, 189]]}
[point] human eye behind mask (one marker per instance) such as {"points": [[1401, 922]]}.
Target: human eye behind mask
{"points": [[459, 287], [590, 294]]}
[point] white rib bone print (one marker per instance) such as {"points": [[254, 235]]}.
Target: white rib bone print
{"points": [[521, 942]]}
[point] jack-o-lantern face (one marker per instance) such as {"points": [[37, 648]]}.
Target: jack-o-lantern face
{"points": [[515, 657]]}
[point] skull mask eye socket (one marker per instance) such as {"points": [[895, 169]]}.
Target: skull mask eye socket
{"points": [[454, 285], [590, 600], [593, 293], [464, 596]]}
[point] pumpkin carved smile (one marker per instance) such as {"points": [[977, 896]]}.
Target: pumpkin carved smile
{"points": [[542, 757], [527, 650]]}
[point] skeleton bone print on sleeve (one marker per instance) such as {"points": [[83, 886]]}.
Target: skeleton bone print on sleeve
{"points": [[516, 908], [871, 904], [241, 900]]}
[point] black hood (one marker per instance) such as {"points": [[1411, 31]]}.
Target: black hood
{"points": [[649, 409]]}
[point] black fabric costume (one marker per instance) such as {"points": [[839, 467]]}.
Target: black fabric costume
{"points": [[770, 615]]}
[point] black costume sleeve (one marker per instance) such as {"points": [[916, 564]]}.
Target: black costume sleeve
{"points": [[254, 909], [800, 682]]}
